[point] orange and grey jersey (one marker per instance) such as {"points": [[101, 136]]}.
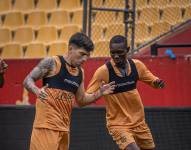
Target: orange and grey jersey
{"points": [[125, 83], [55, 112], [64, 80], [124, 107]]}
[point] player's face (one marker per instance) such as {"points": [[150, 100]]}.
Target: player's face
{"points": [[78, 56], [118, 54]]}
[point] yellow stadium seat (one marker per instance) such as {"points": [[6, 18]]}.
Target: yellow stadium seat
{"points": [[158, 3], [5, 6], [5, 36], [114, 29], [47, 34], [58, 48], [68, 31], [159, 28], [77, 17], [149, 15], [172, 15], [187, 14], [47, 5], [115, 3], [24, 35], [37, 19], [12, 50], [24, 5], [141, 4], [59, 18], [105, 18], [101, 49], [141, 32], [97, 3], [180, 3], [13, 20], [97, 33], [70, 4], [35, 50]]}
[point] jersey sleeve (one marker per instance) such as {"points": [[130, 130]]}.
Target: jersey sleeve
{"points": [[100, 76], [144, 73]]}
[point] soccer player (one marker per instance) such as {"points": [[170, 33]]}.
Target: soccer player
{"points": [[3, 67], [63, 82], [124, 109]]}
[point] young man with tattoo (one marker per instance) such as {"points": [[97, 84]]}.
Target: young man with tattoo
{"points": [[63, 81], [124, 109], [3, 67]]}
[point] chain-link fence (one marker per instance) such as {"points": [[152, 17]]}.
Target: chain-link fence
{"points": [[153, 18]]}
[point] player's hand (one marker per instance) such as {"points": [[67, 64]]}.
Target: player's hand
{"points": [[42, 94], [3, 66], [159, 83], [106, 89]]}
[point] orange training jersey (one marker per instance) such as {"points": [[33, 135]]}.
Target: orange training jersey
{"points": [[123, 109], [55, 113]]}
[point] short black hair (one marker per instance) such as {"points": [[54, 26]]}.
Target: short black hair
{"points": [[118, 39], [81, 40]]}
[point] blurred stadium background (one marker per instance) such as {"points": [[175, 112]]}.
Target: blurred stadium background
{"points": [[159, 33]]}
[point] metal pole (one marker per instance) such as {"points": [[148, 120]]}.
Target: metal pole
{"points": [[126, 18], [133, 27], [90, 17], [84, 23]]}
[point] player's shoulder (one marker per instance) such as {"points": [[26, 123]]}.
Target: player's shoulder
{"points": [[102, 68], [137, 62]]}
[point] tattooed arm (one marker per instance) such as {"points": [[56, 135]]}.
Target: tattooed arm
{"points": [[45, 68]]}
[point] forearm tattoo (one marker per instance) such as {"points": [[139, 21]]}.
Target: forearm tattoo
{"points": [[40, 71]]}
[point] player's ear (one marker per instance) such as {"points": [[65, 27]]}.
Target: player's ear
{"points": [[69, 47]]}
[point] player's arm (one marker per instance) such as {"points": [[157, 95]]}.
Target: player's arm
{"points": [[83, 98], [146, 76], [1, 80], [43, 69], [3, 67]]}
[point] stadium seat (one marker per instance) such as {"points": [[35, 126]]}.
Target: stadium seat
{"points": [[159, 28], [5, 36], [114, 29], [140, 4], [12, 50], [97, 3], [24, 5], [13, 20], [47, 34], [77, 17], [47, 6], [115, 3], [187, 14], [172, 15], [141, 32], [24, 35], [35, 50], [149, 16], [5, 6], [37, 19], [58, 48], [158, 3], [59, 18], [180, 3], [105, 18], [67, 31], [101, 49], [70, 4], [97, 33]]}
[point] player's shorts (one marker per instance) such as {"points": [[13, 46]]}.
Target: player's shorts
{"points": [[141, 135], [46, 139]]}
